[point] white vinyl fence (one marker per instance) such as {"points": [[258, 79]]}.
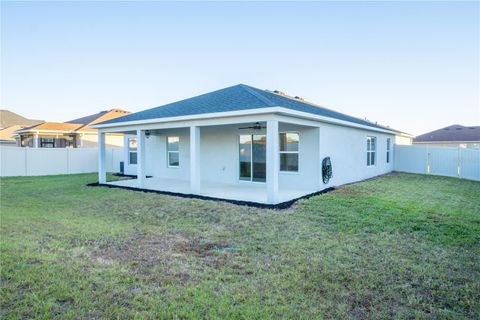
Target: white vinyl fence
{"points": [[15, 161], [443, 161]]}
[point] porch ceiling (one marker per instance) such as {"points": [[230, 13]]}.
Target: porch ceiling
{"points": [[241, 125]]}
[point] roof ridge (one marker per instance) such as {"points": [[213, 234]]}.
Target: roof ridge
{"points": [[319, 106], [258, 95], [239, 97]]}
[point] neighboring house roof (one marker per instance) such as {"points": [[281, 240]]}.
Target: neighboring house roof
{"points": [[453, 133], [9, 119], [101, 116], [54, 126], [77, 125], [8, 134], [237, 98]]}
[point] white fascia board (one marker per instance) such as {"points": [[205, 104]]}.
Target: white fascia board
{"points": [[250, 112], [404, 134], [188, 123], [189, 117], [94, 133], [42, 131], [317, 118]]}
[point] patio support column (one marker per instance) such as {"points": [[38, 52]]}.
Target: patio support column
{"points": [[35, 141], [141, 158], [126, 153], [273, 161], [195, 159], [102, 172]]}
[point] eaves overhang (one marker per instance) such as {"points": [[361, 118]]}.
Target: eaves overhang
{"points": [[248, 112]]}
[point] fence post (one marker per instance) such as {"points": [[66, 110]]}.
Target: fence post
{"points": [[113, 160], [459, 162], [428, 159], [25, 164], [68, 160]]}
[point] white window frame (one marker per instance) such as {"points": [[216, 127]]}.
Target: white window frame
{"points": [[389, 144], [130, 152], [173, 151], [371, 151], [287, 152]]}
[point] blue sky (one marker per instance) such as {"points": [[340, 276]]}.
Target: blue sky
{"points": [[413, 66]]}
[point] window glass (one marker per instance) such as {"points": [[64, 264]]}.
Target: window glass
{"points": [[259, 158], [173, 154], [173, 143], [289, 146], [47, 142], [133, 157], [289, 162], [173, 159], [371, 147], [132, 150], [245, 157], [289, 141], [26, 141], [388, 150], [252, 156]]}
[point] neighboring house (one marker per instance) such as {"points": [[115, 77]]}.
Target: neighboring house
{"points": [[71, 134], [243, 143], [452, 136], [11, 122]]}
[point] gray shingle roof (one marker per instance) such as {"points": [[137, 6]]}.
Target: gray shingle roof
{"points": [[236, 98], [87, 119], [452, 133], [9, 118], [95, 118]]}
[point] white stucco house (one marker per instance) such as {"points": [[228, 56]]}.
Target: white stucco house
{"points": [[245, 144]]}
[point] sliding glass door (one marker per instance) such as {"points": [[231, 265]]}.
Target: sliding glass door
{"points": [[245, 157], [253, 159]]}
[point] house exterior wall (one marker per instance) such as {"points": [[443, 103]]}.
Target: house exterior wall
{"points": [[403, 140], [347, 148], [156, 155], [219, 153], [309, 162], [89, 140]]}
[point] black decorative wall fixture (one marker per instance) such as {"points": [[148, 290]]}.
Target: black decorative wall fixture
{"points": [[327, 172]]}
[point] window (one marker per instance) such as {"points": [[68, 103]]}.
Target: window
{"points": [[26, 141], [371, 147], [70, 141], [173, 153], [289, 151], [388, 150], [253, 157], [47, 142], [132, 150]]}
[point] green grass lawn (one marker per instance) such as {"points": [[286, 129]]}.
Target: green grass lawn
{"points": [[400, 246]]}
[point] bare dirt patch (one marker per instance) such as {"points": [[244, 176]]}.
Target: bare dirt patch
{"points": [[175, 257], [350, 191]]}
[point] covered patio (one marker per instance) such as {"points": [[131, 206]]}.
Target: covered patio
{"points": [[212, 159], [247, 192]]}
